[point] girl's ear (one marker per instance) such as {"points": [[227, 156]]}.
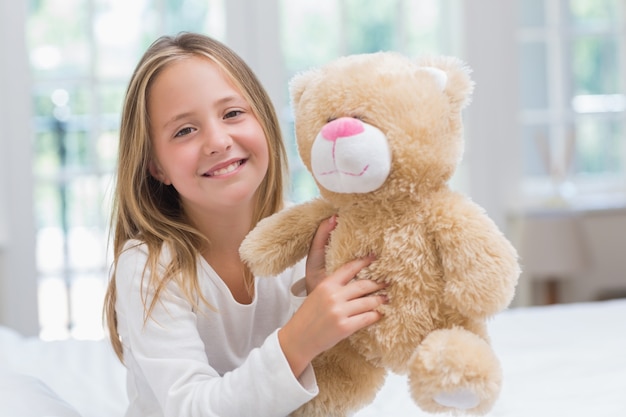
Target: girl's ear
{"points": [[157, 172]]}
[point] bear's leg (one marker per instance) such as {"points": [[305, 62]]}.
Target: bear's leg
{"points": [[454, 370], [346, 381]]}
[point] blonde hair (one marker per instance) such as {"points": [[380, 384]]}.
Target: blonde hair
{"points": [[147, 210]]}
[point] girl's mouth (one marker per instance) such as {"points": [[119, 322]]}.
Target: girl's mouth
{"points": [[225, 170]]}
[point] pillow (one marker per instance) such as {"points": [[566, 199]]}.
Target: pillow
{"points": [[26, 396]]}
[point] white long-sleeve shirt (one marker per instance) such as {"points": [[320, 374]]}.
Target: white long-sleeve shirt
{"points": [[187, 362]]}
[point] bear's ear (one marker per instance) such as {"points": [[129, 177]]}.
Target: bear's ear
{"points": [[439, 75], [452, 76], [299, 83]]}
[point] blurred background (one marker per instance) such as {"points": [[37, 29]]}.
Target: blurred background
{"points": [[545, 133]]}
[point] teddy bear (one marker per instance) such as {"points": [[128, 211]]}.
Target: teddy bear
{"points": [[382, 135]]}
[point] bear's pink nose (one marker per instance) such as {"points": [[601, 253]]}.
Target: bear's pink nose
{"points": [[341, 128]]}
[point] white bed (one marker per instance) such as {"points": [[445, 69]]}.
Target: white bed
{"points": [[565, 360]]}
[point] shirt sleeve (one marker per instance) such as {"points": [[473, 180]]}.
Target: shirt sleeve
{"points": [[167, 353], [298, 288]]}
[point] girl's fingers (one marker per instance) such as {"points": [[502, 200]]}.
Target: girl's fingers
{"points": [[348, 271], [362, 287], [322, 235], [317, 252], [365, 319], [364, 305], [362, 319]]}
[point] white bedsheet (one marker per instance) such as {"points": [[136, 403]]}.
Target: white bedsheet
{"points": [[565, 360]]}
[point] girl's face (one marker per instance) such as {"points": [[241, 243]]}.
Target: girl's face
{"points": [[207, 142]]}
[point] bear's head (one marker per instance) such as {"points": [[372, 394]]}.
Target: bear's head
{"points": [[381, 124]]}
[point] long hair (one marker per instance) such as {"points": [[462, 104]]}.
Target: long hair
{"points": [[151, 212]]}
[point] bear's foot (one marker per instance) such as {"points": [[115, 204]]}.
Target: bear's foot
{"points": [[456, 371], [462, 399]]}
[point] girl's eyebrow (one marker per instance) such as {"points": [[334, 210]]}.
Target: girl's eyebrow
{"points": [[223, 101], [231, 98], [177, 118]]}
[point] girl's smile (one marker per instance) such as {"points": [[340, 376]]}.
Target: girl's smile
{"points": [[225, 168]]}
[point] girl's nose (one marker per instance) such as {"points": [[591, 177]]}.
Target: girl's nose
{"points": [[217, 141], [220, 145]]}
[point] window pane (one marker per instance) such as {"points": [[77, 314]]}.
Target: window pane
{"points": [[86, 298], [107, 150], [75, 143], [600, 145], [536, 150], [46, 157], [595, 66], [118, 36], [594, 14], [56, 38], [86, 248], [311, 33], [111, 98], [84, 201], [50, 248], [47, 207], [531, 13], [42, 102], [53, 308], [188, 15], [370, 26], [533, 76], [316, 31], [428, 28]]}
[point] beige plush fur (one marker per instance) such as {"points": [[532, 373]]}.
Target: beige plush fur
{"points": [[448, 266]]}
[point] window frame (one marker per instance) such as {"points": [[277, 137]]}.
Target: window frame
{"points": [[566, 186]]}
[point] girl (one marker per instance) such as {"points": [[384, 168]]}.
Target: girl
{"points": [[201, 161]]}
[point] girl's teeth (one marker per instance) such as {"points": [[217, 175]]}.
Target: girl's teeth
{"points": [[225, 170]]}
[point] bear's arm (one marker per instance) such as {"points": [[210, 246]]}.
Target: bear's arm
{"points": [[480, 266], [279, 241]]}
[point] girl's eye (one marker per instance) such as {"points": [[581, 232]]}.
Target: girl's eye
{"points": [[184, 131], [232, 113]]}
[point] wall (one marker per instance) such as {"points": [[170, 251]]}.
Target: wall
{"points": [[493, 148], [604, 237], [592, 266], [18, 289]]}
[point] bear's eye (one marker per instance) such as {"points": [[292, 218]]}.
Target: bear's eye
{"points": [[332, 118]]}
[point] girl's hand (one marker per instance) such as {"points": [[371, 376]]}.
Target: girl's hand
{"points": [[334, 310], [316, 259]]}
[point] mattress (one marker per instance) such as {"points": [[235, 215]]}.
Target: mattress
{"points": [[560, 360]]}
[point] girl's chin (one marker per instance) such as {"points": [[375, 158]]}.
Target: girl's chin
{"points": [[236, 196]]}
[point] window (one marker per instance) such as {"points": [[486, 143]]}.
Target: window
{"points": [[572, 58], [82, 54]]}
